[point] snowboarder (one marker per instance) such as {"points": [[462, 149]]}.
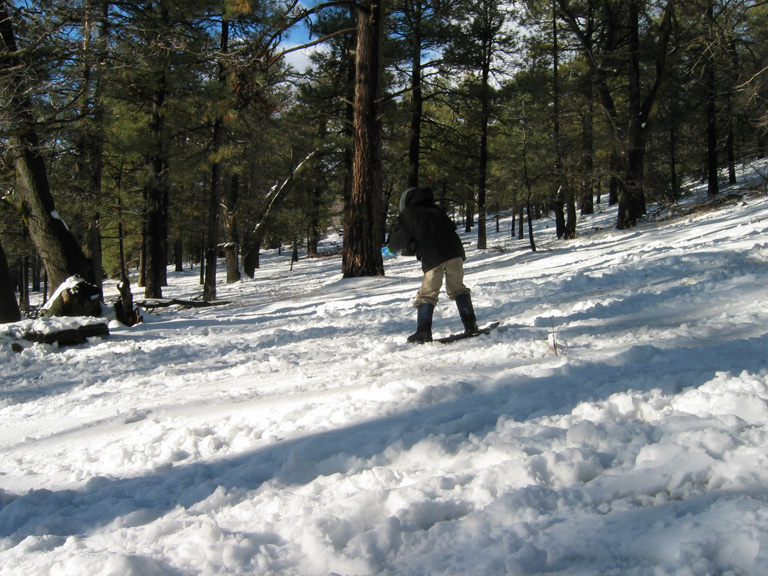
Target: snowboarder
{"points": [[424, 229]]}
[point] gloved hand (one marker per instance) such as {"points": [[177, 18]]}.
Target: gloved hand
{"points": [[387, 253]]}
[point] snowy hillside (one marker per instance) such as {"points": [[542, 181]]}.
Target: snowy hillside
{"points": [[616, 422]]}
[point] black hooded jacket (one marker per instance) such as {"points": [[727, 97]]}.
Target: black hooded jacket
{"points": [[426, 230]]}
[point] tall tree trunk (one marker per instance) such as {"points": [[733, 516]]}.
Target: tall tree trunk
{"points": [[24, 289], [93, 254], [530, 228], [485, 106], [526, 183], [713, 188], [613, 179], [214, 201], [90, 142], [156, 198], [417, 102], [673, 184], [469, 213], [60, 251], [313, 237], [565, 198], [251, 249], [631, 194], [36, 276], [362, 256], [56, 245], [730, 152], [156, 189], [731, 114], [232, 251], [586, 194], [349, 151], [559, 199], [559, 209], [178, 251], [124, 306], [9, 307]]}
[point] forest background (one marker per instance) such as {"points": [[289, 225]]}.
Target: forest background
{"points": [[178, 132]]}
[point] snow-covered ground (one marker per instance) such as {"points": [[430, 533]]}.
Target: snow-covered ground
{"points": [[616, 422]]}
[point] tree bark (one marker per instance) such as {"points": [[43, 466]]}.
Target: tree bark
{"points": [[156, 190], [313, 236], [530, 228], [157, 198], [90, 140], [93, 254], [24, 283], [559, 198], [214, 202], [417, 102], [178, 251], [232, 251], [362, 256], [586, 194], [482, 185], [713, 188], [211, 251], [9, 307], [251, 249], [565, 198]]}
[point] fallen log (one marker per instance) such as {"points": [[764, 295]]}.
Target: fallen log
{"points": [[68, 336], [152, 303]]}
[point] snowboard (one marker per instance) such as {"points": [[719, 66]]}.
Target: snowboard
{"points": [[462, 335]]}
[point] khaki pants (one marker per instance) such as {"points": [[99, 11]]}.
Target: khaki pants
{"points": [[453, 270]]}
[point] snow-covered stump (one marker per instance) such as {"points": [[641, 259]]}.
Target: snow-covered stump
{"points": [[74, 297]]}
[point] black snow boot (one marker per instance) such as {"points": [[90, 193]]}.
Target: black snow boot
{"points": [[467, 313], [424, 324]]}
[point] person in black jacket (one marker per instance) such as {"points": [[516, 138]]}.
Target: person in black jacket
{"points": [[425, 230]]}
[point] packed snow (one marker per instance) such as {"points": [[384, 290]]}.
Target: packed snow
{"points": [[616, 423]]}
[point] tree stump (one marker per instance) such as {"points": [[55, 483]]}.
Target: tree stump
{"points": [[125, 311], [74, 297]]}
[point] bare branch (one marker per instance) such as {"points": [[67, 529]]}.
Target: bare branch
{"points": [[276, 191], [313, 43]]}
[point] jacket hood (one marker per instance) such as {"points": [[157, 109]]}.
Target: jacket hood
{"points": [[415, 196]]}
